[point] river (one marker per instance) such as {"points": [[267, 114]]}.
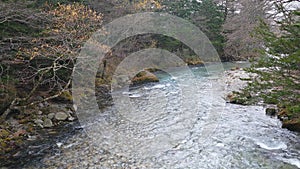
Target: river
{"points": [[178, 126]]}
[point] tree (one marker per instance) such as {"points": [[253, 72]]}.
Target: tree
{"points": [[278, 71], [207, 15], [242, 16], [47, 60]]}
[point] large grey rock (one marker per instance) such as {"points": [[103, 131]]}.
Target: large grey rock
{"points": [[61, 116]]}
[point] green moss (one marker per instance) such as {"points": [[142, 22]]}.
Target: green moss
{"points": [[3, 133], [193, 60], [3, 143], [66, 95], [152, 69], [243, 98], [19, 142], [100, 81], [270, 100], [293, 111], [144, 77], [141, 74]]}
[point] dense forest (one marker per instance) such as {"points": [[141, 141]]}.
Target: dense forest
{"points": [[40, 40]]}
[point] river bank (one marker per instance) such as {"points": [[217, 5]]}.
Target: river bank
{"points": [[240, 79], [27, 134]]}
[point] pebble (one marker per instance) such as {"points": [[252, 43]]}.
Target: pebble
{"points": [[41, 105], [74, 108], [32, 138], [38, 121], [59, 144], [46, 104], [39, 98], [47, 123], [71, 118], [61, 116], [51, 116]]}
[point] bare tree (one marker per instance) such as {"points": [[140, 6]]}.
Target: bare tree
{"points": [[48, 59], [240, 22]]}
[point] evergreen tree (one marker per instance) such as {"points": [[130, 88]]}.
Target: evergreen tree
{"points": [[207, 15], [278, 80]]}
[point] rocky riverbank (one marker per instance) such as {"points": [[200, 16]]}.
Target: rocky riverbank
{"points": [[24, 132], [237, 79]]}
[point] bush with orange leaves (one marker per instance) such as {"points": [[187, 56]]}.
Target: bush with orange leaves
{"points": [[48, 59]]}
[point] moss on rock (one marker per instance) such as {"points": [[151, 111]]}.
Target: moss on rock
{"points": [[65, 96], [193, 61], [144, 77]]}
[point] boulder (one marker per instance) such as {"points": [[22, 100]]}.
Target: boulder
{"points": [[144, 77], [293, 125], [271, 111], [194, 61]]}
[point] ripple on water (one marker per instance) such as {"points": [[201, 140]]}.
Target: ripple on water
{"points": [[272, 145], [292, 161]]}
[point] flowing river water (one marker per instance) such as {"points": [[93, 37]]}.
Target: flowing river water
{"points": [[204, 133]]}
